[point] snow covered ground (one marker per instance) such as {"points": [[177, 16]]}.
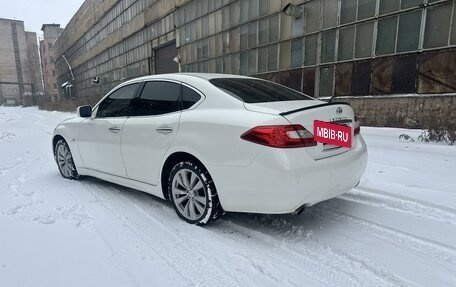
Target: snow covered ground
{"points": [[397, 228]]}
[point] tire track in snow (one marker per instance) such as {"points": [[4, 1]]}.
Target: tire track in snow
{"points": [[191, 266], [315, 252], [309, 257], [261, 265], [323, 260], [394, 236], [378, 198]]}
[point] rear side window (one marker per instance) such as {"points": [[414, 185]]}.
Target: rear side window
{"points": [[158, 98], [257, 91], [189, 97], [117, 104]]}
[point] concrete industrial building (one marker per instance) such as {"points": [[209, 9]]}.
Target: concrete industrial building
{"points": [[395, 61], [50, 34], [20, 72]]}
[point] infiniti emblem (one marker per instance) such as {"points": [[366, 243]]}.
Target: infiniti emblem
{"points": [[339, 110]]}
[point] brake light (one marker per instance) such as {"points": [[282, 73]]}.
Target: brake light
{"points": [[280, 136], [357, 126]]}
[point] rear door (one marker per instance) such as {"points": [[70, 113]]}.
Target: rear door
{"points": [[150, 131], [99, 137]]}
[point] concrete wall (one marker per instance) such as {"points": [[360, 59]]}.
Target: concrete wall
{"points": [[407, 111]]}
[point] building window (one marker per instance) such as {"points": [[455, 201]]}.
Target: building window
{"points": [[326, 81], [227, 65], [291, 79], [285, 27], [264, 7], [297, 27], [243, 63], [296, 53], [329, 13], [244, 11], [308, 81], [285, 55], [404, 75], [310, 50], [437, 72], [272, 57], [386, 36], [438, 20], [410, 3], [409, 31], [253, 9], [274, 28], [262, 59], [364, 34], [346, 43], [328, 46], [366, 9], [382, 76], [253, 28], [263, 31], [389, 6], [453, 27], [252, 61], [205, 26], [244, 37], [361, 78], [234, 14], [312, 16], [234, 63], [234, 40], [348, 11], [343, 79]]}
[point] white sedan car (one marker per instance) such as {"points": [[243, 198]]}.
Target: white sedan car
{"points": [[211, 143]]}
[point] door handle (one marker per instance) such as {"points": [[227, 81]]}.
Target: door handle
{"points": [[114, 130], [164, 130]]}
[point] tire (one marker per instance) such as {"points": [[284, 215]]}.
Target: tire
{"points": [[193, 193], [64, 160]]}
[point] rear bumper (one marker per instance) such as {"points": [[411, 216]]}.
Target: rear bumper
{"points": [[282, 180]]}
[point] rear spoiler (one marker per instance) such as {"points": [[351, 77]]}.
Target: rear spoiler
{"points": [[313, 107]]}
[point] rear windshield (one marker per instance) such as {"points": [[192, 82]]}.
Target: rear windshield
{"points": [[257, 91]]}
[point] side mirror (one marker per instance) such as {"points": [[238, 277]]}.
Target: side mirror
{"points": [[84, 111]]}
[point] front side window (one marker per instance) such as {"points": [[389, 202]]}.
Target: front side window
{"points": [[117, 104], [257, 91], [158, 98]]}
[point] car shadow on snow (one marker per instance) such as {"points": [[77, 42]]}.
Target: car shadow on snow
{"points": [[278, 226]]}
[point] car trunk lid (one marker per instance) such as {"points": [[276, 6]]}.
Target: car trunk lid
{"points": [[305, 113]]}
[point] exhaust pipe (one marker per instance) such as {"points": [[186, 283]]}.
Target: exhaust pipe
{"points": [[300, 210]]}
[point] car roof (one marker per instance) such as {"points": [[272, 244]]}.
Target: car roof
{"points": [[186, 76]]}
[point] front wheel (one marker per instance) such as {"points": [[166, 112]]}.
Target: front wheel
{"points": [[193, 193], [64, 160]]}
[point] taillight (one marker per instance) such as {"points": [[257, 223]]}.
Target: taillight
{"points": [[357, 126], [280, 136]]}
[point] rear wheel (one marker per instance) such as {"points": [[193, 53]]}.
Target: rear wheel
{"points": [[193, 193], [64, 160]]}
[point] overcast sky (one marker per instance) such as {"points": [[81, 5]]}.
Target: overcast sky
{"points": [[35, 13]]}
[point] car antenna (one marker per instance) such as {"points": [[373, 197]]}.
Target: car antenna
{"points": [[332, 98]]}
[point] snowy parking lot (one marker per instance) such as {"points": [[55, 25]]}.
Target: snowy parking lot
{"points": [[397, 228]]}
